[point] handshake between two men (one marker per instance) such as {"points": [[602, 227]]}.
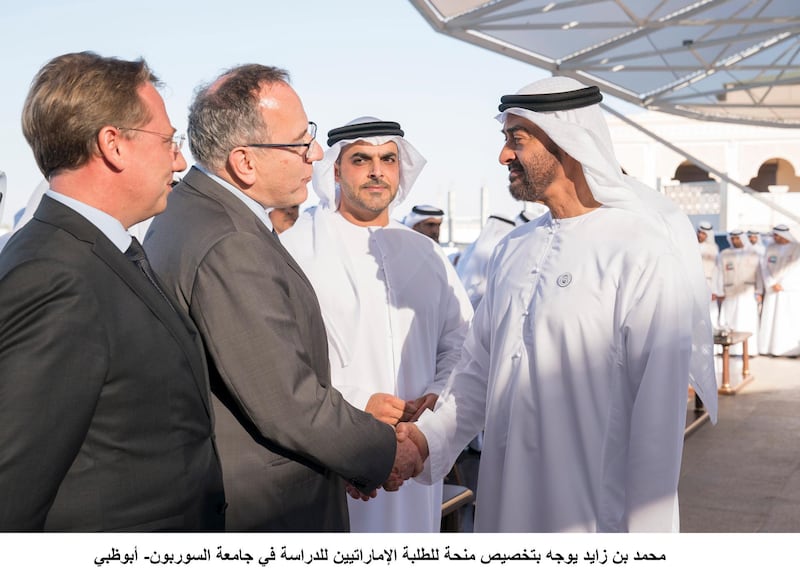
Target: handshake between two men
{"points": [[412, 447]]}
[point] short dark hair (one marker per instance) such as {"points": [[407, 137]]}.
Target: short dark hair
{"points": [[70, 100]]}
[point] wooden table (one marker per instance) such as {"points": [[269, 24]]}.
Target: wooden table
{"points": [[733, 338], [697, 414]]}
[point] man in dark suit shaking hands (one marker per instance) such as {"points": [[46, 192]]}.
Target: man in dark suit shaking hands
{"points": [[105, 419], [288, 440]]}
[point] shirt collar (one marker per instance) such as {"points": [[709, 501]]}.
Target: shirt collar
{"points": [[259, 210], [109, 225]]}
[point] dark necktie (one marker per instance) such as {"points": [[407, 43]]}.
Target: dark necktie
{"points": [[135, 253]]}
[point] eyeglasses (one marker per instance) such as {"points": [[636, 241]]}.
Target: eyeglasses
{"points": [[176, 140], [312, 131]]}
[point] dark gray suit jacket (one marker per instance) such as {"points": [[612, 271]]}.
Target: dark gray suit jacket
{"points": [[105, 417], [286, 436]]}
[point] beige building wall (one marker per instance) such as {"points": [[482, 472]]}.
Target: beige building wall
{"points": [[736, 150]]}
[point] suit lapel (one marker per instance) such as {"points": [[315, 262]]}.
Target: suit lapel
{"points": [[182, 330], [208, 187], [288, 257]]}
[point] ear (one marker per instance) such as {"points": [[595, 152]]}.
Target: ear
{"points": [[242, 166], [336, 175], [112, 147]]}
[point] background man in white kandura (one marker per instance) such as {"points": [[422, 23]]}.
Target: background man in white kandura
{"points": [[738, 286], [780, 330], [709, 252]]}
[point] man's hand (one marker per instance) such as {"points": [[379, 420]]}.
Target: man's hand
{"points": [[407, 462], [353, 492], [386, 408], [415, 407], [409, 431]]}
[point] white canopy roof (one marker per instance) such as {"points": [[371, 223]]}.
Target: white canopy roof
{"points": [[723, 60]]}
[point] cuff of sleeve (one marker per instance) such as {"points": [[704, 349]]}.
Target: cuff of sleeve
{"points": [[436, 466]]}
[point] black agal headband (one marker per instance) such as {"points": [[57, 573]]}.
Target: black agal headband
{"points": [[553, 102], [427, 211], [365, 130]]}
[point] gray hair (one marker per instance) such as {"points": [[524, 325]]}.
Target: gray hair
{"points": [[226, 113]]}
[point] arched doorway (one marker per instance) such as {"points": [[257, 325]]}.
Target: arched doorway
{"points": [[775, 172], [690, 172]]}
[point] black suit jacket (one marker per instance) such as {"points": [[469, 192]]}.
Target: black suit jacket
{"points": [[105, 420], [286, 436]]}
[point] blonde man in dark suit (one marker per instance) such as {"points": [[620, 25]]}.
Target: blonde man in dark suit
{"points": [[104, 403]]}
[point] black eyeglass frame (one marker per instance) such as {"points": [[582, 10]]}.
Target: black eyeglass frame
{"points": [[312, 130]]}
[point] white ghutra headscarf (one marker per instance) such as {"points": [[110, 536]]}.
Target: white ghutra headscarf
{"points": [[411, 161], [785, 232]]}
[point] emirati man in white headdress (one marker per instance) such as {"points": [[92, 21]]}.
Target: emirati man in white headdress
{"points": [[425, 219], [738, 287], [780, 328], [709, 251], [579, 357], [395, 312], [755, 243]]}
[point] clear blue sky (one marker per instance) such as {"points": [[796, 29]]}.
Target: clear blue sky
{"points": [[347, 58]]}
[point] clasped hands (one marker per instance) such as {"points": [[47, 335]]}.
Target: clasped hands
{"points": [[412, 451], [412, 447]]}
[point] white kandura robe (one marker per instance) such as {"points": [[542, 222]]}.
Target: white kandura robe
{"points": [[396, 316], [579, 356], [473, 263], [780, 311], [709, 251], [757, 247], [737, 279]]}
